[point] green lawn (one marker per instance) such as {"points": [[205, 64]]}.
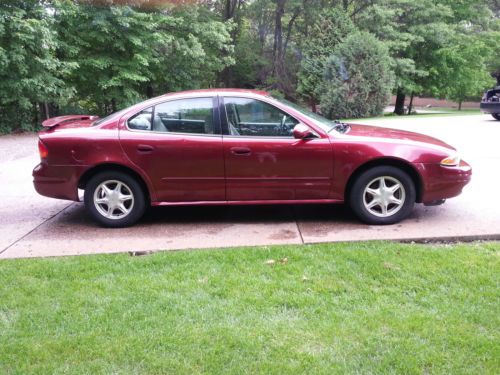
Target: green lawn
{"points": [[372, 307]]}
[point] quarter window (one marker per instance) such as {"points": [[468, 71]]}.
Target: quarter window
{"points": [[141, 120], [193, 116], [250, 117]]}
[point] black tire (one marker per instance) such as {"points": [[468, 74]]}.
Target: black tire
{"points": [[366, 179], [137, 206], [496, 116]]}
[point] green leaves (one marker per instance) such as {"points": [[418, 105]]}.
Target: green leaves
{"points": [[75, 55], [357, 78]]}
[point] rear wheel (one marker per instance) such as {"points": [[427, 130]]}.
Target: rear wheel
{"points": [[496, 116], [114, 199], [382, 195]]}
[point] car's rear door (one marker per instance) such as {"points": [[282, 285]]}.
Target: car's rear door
{"points": [[178, 144], [264, 161]]}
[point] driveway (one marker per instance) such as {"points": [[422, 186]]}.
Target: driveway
{"points": [[32, 225]]}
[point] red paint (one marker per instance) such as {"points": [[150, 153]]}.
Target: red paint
{"points": [[224, 169]]}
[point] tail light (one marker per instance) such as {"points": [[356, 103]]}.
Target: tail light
{"points": [[42, 149]]}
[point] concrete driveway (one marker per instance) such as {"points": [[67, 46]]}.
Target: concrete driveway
{"points": [[32, 225]]}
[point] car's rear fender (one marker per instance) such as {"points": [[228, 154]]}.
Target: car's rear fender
{"points": [[143, 180]]}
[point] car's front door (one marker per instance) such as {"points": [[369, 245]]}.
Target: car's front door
{"points": [[264, 161], [178, 144]]}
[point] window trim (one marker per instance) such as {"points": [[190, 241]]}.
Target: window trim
{"points": [[225, 124], [215, 118]]}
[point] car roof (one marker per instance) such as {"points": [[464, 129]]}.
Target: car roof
{"points": [[217, 91]]}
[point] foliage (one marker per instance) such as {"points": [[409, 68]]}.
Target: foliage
{"points": [[29, 70], [460, 71], [125, 54], [63, 56], [327, 32], [345, 308], [357, 78]]}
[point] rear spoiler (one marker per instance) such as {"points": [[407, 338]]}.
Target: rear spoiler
{"points": [[54, 121]]}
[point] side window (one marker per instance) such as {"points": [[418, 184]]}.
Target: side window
{"points": [[141, 120], [250, 117], [193, 116]]}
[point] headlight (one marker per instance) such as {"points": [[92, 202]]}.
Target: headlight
{"points": [[451, 161]]}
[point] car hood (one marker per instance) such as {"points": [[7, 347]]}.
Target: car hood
{"points": [[395, 134]]}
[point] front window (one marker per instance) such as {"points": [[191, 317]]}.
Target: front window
{"points": [[251, 117], [322, 122]]}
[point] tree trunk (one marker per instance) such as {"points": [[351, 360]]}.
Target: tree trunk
{"points": [[410, 106], [278, 35], [47, 112], [113, 105], [313, 105], [459, 105], [399, 108]]}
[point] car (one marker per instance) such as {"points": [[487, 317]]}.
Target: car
{"points": [[490, 103], [239, 147]]}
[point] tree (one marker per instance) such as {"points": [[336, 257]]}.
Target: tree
{"points": [[413, 31], [125, 54], [460, 71], [358, 78], [30, 73], [330, 29]]}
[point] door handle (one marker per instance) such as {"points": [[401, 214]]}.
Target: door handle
{"points": [[145, 148], [240, 151]]}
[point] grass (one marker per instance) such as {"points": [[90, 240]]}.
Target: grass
{"points": [[372, 307]]}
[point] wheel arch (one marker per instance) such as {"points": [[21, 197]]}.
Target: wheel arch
{"points": [[106, 167], [388, 161]]}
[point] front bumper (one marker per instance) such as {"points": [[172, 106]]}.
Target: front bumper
{"points": [[57, 181], [441, 182], [490, 107]]}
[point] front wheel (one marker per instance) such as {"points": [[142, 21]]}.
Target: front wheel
{"points": [[496, 116], [114, 199], [382, 195]]}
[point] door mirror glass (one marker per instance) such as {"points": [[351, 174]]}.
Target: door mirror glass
{"points": [[301, 131]]}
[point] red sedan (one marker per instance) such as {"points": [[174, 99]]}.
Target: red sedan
{"points": [[231, 146]]}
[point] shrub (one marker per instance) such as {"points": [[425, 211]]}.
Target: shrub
{"points": [[357, 78]]}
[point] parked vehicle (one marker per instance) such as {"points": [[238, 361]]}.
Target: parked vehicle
{"points": [[228, 146], [490, 103]]}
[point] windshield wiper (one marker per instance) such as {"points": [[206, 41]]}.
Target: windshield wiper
{"points": [[340, 126]]}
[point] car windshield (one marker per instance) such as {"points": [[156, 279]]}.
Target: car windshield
{"points": [[322, 122], [109, 117]]}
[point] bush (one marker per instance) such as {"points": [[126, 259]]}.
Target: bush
{"points": [[357, 78], [327, 32]]}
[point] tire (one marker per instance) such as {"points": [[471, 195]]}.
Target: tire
{"points": [[496, 116], [365, 190], [129, 194]]}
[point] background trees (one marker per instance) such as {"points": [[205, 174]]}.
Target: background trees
{"points": [[61, 56]]}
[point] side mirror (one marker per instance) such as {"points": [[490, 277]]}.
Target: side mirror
{"points": [[301, 131]]}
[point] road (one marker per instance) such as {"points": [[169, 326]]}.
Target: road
{"points": [[32, 225]]}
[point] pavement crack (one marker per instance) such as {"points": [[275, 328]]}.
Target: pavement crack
{"points": [[35, 228], [297, 224]]}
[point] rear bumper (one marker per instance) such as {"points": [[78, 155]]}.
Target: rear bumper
{"points": [[443, 182], [490, 107], [57, 181]]}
